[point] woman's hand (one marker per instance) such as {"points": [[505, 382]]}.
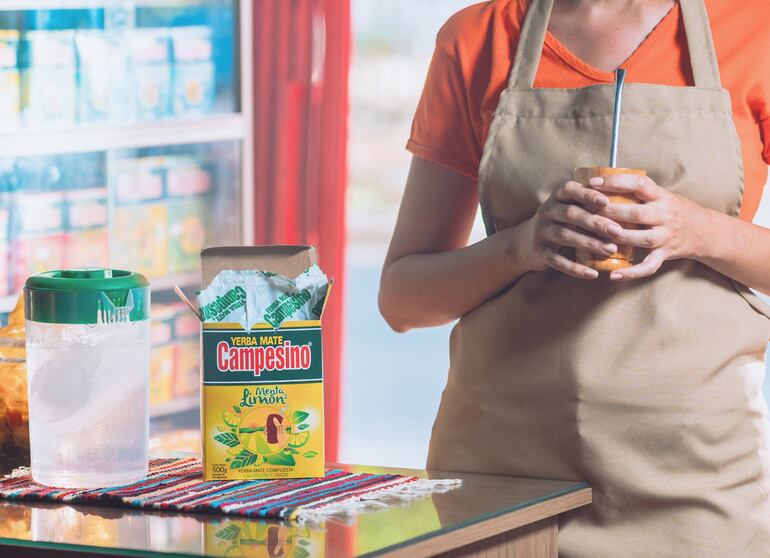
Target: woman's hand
{"points": [[669, 222], [570, 218]]}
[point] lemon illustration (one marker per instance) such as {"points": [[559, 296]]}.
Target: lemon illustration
{"points": [[230, 419], [299, 440]]}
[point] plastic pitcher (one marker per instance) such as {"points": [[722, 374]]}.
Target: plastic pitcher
{"points": [[88, 354]]}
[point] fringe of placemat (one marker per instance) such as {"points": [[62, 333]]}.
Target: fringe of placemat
{"points": [[402, 490]]}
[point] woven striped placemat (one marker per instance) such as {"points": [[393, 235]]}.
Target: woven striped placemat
{"points": [[176, 485]]}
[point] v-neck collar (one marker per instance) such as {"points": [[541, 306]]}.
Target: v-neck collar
{"points": [[645, 47]]}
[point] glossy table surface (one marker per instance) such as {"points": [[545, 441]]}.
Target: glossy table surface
{"points": [[481, 499]]}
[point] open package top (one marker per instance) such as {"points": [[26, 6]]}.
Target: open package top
{"points": [[261, 354]]}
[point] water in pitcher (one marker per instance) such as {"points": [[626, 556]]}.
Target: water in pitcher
{"points": [[88, 397]]}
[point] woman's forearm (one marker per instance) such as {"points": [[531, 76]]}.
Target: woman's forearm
{"points": [[421, 290], [735, 248]]}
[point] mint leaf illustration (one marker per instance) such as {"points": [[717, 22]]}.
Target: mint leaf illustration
{"points": [[243, 459], [229, 533], [227, 438], [310, 454], [298, 416]]}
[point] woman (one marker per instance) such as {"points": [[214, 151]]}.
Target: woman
{"points": [[647, 382]]}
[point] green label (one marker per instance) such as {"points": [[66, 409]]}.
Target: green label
{"points": [[222, 306], [262, 356], [284, 306]]}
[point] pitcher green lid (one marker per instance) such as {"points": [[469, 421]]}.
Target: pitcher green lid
{"points": [[87, 295]]}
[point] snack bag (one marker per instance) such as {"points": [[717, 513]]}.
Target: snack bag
{"points": [[14, 416]]}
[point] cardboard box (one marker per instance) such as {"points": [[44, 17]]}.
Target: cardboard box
{"points": [[262, 391]]}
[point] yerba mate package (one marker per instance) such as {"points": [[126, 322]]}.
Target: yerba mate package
{"points": [[262, 392]]}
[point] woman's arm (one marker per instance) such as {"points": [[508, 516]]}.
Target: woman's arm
{"points": [[735, 248], [430, 277], [680, 228]]}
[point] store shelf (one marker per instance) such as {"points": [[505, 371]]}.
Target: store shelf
{"points": [[175, 406], [15, 5], [83, 139]]}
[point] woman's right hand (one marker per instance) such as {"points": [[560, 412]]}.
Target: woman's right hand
{"points": [[569, 218]]}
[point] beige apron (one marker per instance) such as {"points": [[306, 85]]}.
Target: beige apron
{"points": [[648, 390]]}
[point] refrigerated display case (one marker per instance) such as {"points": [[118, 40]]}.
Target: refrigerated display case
{"points": [[124, 143], [130, 131]]}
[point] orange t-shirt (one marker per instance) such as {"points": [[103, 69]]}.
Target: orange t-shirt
{"points": [[474, 54]]}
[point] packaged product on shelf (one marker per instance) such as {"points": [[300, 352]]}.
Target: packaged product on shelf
{"points": [[5, 268], [38, 196], [9, 47], [43, 47], [188, 221], [88, 248], [187, 329], [193, 81], [187, 378], [192, 43], [8, 180], [139, 238], [37, 219], [34, 254], [86, 209], [194, 88], [262, 364], [83, 170], [162, 326], [10, 85], [48, 96], [102, 83], [186, 326], [5, 263], [10, 99], [151, 69], [161, 374], [38, 212], [161, 354], [138, 179], [187, 176]]}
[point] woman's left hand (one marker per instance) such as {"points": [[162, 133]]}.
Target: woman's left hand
{"points": [[669, 222]]}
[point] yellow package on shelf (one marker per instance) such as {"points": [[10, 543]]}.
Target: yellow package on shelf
{"points": [[262, 381]]}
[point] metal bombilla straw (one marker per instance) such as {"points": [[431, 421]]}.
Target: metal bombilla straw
{"points": [[620, 77]]}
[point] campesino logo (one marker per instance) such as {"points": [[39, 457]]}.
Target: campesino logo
{"points": [[263, 359], [222, 306]]}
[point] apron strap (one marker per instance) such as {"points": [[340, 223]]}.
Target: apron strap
{"points": [[703, 58], [530, 45], [697, 28]]}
